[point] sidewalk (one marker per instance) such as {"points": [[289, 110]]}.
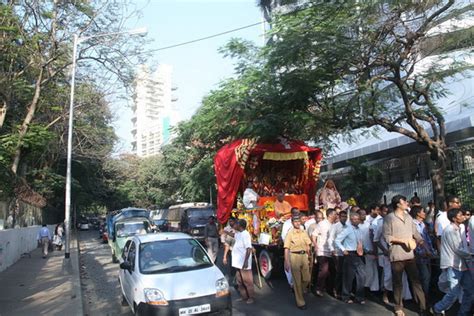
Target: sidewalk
{"points": [[37, 286]]}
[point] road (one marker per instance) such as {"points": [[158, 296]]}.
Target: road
{"points": [[101, 291], [99, 277]]}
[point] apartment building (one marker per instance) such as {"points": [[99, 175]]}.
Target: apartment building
{"points": [[152, 109]]}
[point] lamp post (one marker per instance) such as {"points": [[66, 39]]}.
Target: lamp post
{"points": [[77, 41]]}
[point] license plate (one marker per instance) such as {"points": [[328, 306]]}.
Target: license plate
{"points": [[199, 309]]}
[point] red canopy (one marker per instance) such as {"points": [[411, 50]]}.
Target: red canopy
{"points": [[230, 162]]}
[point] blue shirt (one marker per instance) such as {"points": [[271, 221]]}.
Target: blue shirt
{"points": [[420, 251], [44, 232], [347, 240]]}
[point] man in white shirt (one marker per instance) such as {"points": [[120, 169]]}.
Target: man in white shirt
{"points": [[320, 238], [370, 265], [310, 222], [242, 261], [250, 197], [374, 213], [453, 256], [310, 225], [442, 220], [337, 254], [349, 242], [287, 225], [382, 254]]}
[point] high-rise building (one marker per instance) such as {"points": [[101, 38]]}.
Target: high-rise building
{"points": [[152, 110]]}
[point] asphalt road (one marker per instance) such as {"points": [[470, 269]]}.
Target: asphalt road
{"points": [[99, 277], [101, 290]]}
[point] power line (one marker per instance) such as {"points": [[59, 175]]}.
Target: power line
{"points": [[302, 8], [204, 38]]}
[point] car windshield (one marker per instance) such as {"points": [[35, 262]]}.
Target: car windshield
{"points": [[167, 256], [200, 215], [130, 229]]}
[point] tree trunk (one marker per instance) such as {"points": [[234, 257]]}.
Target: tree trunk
{"points": [[26, 122], [438, 173]]}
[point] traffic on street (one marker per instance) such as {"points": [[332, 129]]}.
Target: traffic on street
{"points": [[102, 294]]}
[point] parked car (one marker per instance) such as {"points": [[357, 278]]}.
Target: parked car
{"points": [[124, 229], [84, 226], [171, 274]]}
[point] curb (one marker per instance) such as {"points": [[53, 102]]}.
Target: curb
{"points": [[76, 291]]}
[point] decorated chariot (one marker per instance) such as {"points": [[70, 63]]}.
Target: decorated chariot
{"points": [[285, 166]]}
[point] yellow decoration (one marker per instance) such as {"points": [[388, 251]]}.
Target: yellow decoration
{"points": [[352, 202], [279, 156]]}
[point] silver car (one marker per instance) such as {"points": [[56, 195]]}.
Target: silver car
{"points": [[171, 274]]}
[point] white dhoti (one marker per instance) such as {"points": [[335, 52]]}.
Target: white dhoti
{"points": [[371, 273], [387, 278]]}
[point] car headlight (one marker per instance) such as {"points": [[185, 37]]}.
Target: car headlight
{"points": [[222, 287], [195, 231], [155, 297]]}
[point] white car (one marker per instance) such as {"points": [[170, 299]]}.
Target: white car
{"points": [[171, 274], [84, 226]]}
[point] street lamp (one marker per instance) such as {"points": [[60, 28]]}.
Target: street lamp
{"points": [[77, 41]]}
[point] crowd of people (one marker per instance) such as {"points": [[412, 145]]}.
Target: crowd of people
{"points": [[402, 248]]}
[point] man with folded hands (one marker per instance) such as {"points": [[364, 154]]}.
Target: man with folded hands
{"points": [[402, 237]]}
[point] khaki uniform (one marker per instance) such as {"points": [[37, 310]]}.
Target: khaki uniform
{"points": [[298, 242]]}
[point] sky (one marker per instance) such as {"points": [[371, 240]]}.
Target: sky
{"points": [[197, 67]]}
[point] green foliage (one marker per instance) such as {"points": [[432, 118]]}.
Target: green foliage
{"points": [[364, 183], [461, 184], [48, 183]]}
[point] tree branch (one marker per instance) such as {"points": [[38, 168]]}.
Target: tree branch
{"points": [[422, 29]]}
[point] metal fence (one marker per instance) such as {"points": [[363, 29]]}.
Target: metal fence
{"points": [[421, 188], [459, 183]]}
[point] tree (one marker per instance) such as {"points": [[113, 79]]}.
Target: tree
{"points": [[363, 183], [359, 65], [36, 47]]}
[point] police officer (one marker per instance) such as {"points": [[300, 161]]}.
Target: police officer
{"points": [[297, 243]]}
